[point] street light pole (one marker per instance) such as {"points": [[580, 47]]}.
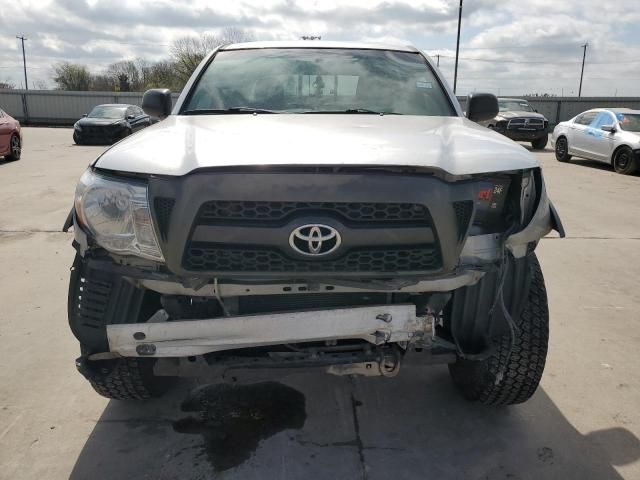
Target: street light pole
{"points": [[584, 55], [455, 72]]}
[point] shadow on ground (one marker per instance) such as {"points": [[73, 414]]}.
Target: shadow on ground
{"points": [[413, 426]]}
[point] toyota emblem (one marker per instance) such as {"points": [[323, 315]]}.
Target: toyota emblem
{"points": [[315, 239]]}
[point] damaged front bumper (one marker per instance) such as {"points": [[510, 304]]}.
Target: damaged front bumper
{"points": [[376, 325]]}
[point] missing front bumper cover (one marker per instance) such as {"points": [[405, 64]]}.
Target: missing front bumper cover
{"points": [[376, 325]]}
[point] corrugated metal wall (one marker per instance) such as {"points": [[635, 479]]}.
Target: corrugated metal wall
{"points": [[54, 107], [559, 109]]}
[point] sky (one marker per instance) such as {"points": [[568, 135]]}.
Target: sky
{"points": [[508, 47]]}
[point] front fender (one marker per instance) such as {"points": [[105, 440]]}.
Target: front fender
{"points": [[544, 219]]}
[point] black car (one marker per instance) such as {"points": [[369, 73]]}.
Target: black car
{"points": [[109, 123]]}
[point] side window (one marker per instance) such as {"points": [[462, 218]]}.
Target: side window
{"points": [[129, 111], [138, 111], [605, 118], [586, 118]]}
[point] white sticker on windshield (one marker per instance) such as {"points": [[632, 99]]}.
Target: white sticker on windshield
{"points": [[423, 84]]}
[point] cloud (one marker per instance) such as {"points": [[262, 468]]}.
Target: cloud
{"points": [[513, 47]]}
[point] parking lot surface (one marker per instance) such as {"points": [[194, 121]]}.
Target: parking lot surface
{"points": [[583, 422]]}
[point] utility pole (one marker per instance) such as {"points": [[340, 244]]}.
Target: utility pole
{"points": [[455, 72], [438, 60], [584, 55], [24, 61]]}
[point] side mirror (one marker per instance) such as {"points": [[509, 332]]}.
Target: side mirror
{"points": [[481, 106], [157, 102], [608, 128], [84, 115]]}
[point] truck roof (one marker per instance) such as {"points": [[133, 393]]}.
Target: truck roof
{"points": [[319, 44]]}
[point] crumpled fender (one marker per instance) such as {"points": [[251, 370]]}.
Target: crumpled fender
{"points": [[544, 219]]}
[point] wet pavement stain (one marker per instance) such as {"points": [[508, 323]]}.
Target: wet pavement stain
{"points": [[233, 419]]}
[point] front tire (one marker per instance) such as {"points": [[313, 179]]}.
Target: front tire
{"points": [[15, 149], [511, 376], [540, 143], [562, 150], [624, 161], [124, 378]]}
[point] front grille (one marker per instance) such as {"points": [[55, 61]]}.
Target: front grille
{"points": [[517, 123], [220, 258], [96, 130], [261, 211]]}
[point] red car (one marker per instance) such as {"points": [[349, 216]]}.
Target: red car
{"points": [[10, 137]]}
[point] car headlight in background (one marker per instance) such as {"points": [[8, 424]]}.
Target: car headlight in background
{"points": [[116, 213], [77, 127]]}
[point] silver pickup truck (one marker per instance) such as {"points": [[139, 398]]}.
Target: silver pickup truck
{"points": [[312, 205]]}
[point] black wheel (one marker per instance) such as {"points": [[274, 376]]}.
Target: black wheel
{"points": [[124, 378], [624, 161], [511, 376], [562, 150], [15, 148], [540, 143], [77, 139]]}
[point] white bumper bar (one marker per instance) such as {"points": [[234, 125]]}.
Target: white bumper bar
{"points": [[377, 325]]}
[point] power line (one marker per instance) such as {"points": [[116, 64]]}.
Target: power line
{"points": [[541, 62]]}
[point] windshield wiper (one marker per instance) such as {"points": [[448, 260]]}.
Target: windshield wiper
{"points": [[354, 110], [222, 111]]}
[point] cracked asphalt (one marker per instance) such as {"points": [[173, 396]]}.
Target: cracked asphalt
{"points": [[583, 422]]}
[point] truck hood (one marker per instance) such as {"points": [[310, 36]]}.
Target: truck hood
{"points": [[181, 144], [520, 114]]}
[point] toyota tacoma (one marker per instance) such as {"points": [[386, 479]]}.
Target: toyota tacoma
{"points": [[312, 205]]}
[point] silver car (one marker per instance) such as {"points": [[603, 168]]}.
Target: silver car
{"points": [[610, 135]]}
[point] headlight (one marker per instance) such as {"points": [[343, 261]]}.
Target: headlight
{"points": [[116, 213]]}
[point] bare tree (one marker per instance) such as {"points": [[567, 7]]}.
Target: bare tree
{"points": [[188, 52], [41, 85], [162, 75], [236, 35], [102, 83], [71, 76], [7, 85], [126, 75]]}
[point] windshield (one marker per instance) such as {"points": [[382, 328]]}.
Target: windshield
{"points": [[514, 106], [305, 80], [629, 121], [107, 111]]}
